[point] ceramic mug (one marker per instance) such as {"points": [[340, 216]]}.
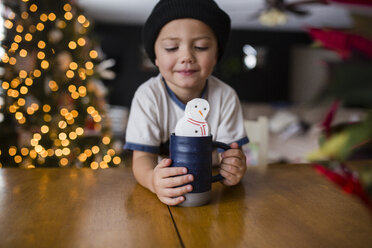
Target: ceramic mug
{"points": [[195, 153]]}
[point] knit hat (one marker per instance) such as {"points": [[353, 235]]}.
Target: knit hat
{"points": [[206, 11]]}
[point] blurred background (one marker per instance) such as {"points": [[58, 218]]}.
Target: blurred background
{"points": [[283, 57]]}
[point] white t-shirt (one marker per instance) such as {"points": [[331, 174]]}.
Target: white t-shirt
{"points": [[156, 110]]}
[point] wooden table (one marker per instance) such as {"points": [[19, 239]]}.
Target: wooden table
{"points": [[284, 206]]}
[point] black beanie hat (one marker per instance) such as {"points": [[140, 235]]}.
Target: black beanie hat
{"points": [[206, 11]]}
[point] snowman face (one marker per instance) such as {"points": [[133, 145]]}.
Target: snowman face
{"points": [[197, 109]]}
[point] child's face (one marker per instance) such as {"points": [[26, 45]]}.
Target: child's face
{"points": [[186, 53]]}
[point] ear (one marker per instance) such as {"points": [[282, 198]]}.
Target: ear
{"points": [[156, 62]]}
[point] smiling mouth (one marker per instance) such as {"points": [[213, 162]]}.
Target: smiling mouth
{"points": [[186, 72]]}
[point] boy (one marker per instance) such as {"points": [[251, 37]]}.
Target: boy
{"points": [[184, 39]]}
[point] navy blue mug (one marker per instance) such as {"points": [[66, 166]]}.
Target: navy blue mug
{"points": [[195, 153]]}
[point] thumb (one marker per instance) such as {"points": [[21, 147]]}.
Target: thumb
{"points": [[234, 145]]}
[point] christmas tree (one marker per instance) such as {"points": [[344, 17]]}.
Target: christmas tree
{"points": [[52, 105]]}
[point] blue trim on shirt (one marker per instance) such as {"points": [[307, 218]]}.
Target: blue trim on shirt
{"points": [[175, 98], [240, 142], [140, 147]]}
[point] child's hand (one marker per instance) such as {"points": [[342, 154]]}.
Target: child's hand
{"points": [[233, 165], [166, 178]]}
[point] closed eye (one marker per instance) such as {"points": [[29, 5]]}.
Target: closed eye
{"points": [[171, 49], [200, 48]]}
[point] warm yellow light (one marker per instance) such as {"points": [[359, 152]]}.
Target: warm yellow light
{"points": [[71, 88], [72, 45], [69, 116], [33, 154], [79, 131], [82, 90], [12, 151], [33, 8], [62, 124], [67, 7], [103, 165], [81, 42], [37, 136], [63, 111], [12, 61], [44, 64], [29, 81], [52, 16], [97, 118], [94, 165], [66, 151], [116, 160], [53, 85], [23, 90], [90, 109], [22, 74], [68, 16], [18, 159], [70, 74], [81, 19], [28, 37], [21, 102], [5, 58], [40, 26], [63, 161], [88, 152], [40, 55], [61, 24], [65, 142], [24, 15], [38, 148], [35, 106], [86, 24], [24, 151], [50, 152], [19, 28], [37, 73], [89, 65], [8, 24], [107, 158], [74, 113], [75, 95], [58, 152], [43, 17], [30, 111], [14, 46], [82, 157], [41, 44], [17, 38], [18, 115], [44, 129], [12, 109], [106, 140], [95, 149], [34, 142], [23, 53], [93, 54], [47, 117], [5, 85], [62, 136], [73, 65], [46, 108]]}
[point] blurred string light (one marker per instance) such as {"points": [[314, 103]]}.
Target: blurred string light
{"points": [[62, 126]]}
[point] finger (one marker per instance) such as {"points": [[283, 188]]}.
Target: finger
{"points": [[232, 161], [172, 171], [234, 145], [231, 168], [172, 201], [177, 181], [229, 178], [232, 153], [179, 191]]}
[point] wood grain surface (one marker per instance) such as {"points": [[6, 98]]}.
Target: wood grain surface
{"points": [[285, 206], [80, 208]]}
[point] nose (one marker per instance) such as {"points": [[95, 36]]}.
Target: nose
{"points": [[187, 57]]}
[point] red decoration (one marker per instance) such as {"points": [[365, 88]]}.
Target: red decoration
{"points": [[355, 2], [342, 42]]}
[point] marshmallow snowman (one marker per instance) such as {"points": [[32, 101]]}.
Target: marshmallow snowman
{"points": [[194, 123]]}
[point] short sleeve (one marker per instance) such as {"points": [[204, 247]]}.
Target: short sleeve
{"points": [[231, 127], [143, 133]]}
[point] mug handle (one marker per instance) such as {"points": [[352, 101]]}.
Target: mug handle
{"points": [[226, 147]]}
